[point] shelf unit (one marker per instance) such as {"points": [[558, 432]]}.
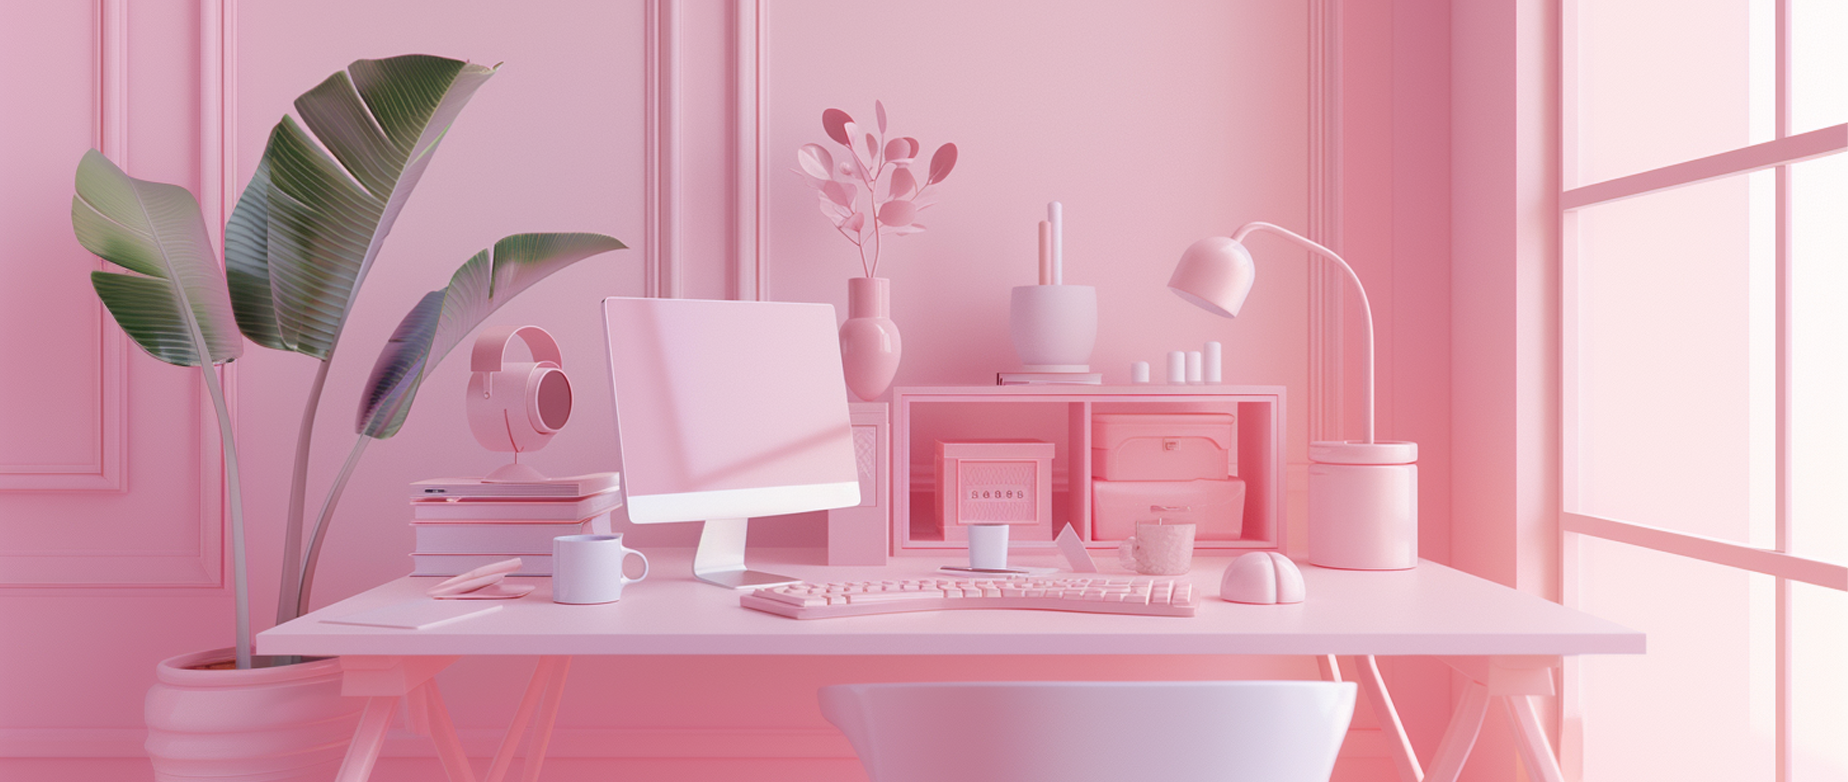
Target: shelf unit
{"points": [[1062, 415]]}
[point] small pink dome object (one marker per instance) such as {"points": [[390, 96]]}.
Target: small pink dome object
{"points": [[1263, 578]]}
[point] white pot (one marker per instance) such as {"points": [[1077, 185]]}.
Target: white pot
{"points": [[287, 723], [1054, 327]]}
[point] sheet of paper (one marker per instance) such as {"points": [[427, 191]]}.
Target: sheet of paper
{"points": [[419, 614]]}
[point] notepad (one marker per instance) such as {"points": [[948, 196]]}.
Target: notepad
{"points": [[419, 614]]}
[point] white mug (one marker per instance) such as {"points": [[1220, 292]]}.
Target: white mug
{"points": [[1158, 549], [587, 569]]}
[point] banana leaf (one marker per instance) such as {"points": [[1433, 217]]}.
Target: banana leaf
{"points": [[307, 229], [176, 307], [173, 304], [309, 225], [443, 317]]}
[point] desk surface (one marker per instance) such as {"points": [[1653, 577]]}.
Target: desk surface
{"points": [[1430, 610]]}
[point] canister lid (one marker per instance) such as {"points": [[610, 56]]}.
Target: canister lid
{"points": [[1358, 452]]}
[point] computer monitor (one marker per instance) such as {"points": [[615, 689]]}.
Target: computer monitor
{"points": [[726, 410]]}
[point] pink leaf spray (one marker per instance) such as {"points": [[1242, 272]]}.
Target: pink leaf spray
{"points": [[871, 160]]}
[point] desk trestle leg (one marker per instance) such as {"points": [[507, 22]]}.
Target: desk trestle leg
{"points": [[368, 739], [382, 680], [1513, 680], [435, 723], [543, 693], [1367, 675]]}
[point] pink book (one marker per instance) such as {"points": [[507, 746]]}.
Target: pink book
{"points": [[556, 488], [469, 509]]}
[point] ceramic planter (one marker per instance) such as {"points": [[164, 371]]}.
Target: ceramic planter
{"points": [[283, 724]]}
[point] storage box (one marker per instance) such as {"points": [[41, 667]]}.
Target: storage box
{"points": [[1163, 446], [994, 482], [1217, 508]]}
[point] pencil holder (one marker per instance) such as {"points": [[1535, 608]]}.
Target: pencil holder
{"points": [[1054, 326]]}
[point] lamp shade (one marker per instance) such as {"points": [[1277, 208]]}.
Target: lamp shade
{"points": [[1215, 274]]}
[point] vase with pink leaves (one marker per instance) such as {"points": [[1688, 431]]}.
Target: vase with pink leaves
{"points": [[872, 191]]}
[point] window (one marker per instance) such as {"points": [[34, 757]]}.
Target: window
{"points": [[1704, 349]]}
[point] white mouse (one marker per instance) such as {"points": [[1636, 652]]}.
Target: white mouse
{"points": [[1262, 577]]}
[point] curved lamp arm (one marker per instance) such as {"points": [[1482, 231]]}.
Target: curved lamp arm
{"points": [[1216, 274], [1365, 306]]}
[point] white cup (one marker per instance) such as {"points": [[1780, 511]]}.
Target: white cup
{"points": [[1158, 549], [587, 569]]}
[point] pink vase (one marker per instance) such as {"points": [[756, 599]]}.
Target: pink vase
{"points": [[288, 722], [869, 339]]}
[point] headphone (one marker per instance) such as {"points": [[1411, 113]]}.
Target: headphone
{"points": [[517, 407]]}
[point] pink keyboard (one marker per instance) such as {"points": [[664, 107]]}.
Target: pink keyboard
{"points": [[1092, 594]]}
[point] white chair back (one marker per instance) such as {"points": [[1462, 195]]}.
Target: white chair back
{"points": [[1268, 731]]}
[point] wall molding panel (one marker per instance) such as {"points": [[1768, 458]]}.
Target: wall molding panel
{"points": [[189, 557], [1327, 284], [105, 470], [748, 175], [661, 111]]}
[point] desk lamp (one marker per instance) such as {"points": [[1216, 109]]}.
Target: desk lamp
{"points": [[1363, 495]]}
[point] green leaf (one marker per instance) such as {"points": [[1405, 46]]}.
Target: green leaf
{"points": [[443, 318], [174, 304], [311, 222], [247, 263]]}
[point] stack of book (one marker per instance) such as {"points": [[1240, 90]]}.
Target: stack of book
{"points": [[464, 523], [1025, 378]]}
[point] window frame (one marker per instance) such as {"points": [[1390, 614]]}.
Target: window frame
{"points": [[1778, 155]]}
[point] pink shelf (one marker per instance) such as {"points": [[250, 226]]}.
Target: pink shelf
{"points": [[1062, 415]]}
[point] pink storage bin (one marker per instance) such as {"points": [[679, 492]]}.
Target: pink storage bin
{"points": [[994, 482], [1217, 508], [1162, 446]]}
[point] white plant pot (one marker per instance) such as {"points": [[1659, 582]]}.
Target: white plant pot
{"points": [[283, 724], [1054, 326]]}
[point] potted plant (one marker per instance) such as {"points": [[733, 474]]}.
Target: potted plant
{"points": [[881, 170], [300, 241]]}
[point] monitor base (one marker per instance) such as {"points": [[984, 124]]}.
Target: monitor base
{"points": [[719, 560]]}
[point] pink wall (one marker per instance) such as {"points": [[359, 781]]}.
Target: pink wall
{"points": [[1153, 129]]}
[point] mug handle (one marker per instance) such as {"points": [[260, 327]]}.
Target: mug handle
{"points": [[625, 562], [1126, 553]]}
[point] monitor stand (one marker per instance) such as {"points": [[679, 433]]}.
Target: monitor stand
{"points": [[720, 558]]}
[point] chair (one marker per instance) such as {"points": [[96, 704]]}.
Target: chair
{"points": [[1274, 731]]}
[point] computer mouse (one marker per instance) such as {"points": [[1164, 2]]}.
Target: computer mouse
{"points": [[1262, 577]]}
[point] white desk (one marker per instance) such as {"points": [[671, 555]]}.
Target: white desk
{"points": [[1505, 641]]}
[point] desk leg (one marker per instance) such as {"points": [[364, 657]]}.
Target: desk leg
{"points": [[1535, 751], [381, 681], [368, 739], [1512, 680], [543, 693], [1331, 669], [1460, 737], [442, 731], [548, 716], [1367, 674]]}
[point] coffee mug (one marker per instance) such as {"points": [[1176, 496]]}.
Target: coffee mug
{"points": [[1158, 549], [587, 569]]}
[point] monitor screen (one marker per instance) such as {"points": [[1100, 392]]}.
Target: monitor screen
{"points": [[729, 409]]}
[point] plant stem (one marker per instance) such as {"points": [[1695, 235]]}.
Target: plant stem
{"points": [[288, 601], [239, 573], [313, 556]]}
